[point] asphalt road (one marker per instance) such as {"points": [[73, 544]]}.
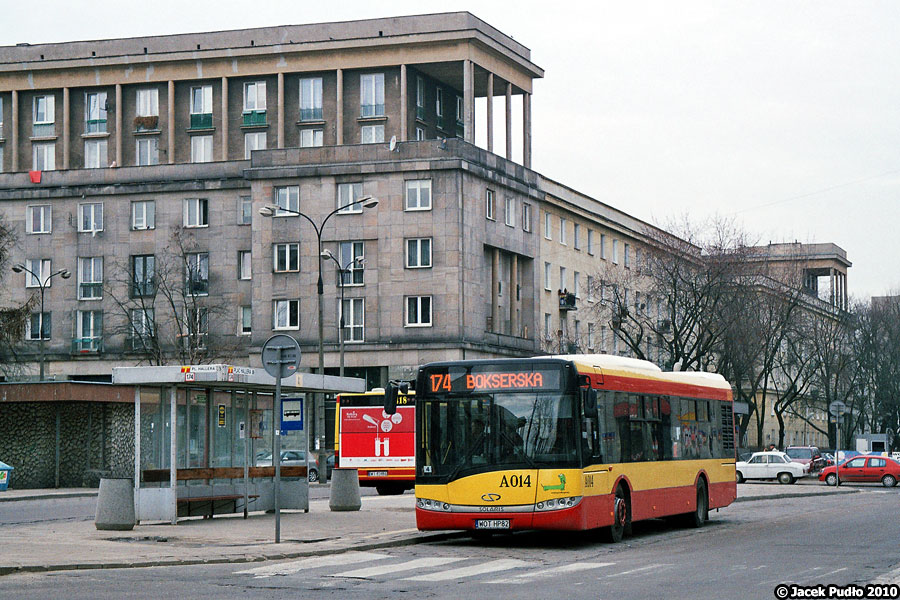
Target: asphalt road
{"points": [[745, 551]]}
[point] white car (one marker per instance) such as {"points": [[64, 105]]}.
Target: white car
{"points": [[770, 465]]}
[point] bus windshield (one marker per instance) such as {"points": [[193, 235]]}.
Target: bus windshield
{"points": [[466, 434]]}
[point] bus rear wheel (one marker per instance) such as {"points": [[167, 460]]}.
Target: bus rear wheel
{"points": [[621, 524], [700, 515]]}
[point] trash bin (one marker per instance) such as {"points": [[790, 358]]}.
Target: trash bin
{"points": [[115, 504], [5, 471]]}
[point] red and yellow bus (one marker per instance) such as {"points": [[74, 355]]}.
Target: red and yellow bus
{"points": [[380, 446], [569, 443]]}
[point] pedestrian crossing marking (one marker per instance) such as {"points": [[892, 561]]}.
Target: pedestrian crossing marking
{"points": [[411, 565], [545, 573], [480, 569], [638, 570], [334, 560]]}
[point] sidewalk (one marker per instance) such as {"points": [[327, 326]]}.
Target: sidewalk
{"points": [[383, 521]]}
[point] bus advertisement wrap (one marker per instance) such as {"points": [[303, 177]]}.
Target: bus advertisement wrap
{"points": [[370, 438]]}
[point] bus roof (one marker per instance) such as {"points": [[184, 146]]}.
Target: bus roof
{"points": [[624, 366]]}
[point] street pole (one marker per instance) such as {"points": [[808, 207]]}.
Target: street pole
{"points": [[276, 456], [42, 284]]}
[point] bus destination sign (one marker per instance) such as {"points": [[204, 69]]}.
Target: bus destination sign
{"points": [[480, 379]]}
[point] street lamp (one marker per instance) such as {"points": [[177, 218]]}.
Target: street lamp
{"points": [[43, 284], [342, 271], [270, 211]]}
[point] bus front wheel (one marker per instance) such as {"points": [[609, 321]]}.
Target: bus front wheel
{"points": [[621, 524]]}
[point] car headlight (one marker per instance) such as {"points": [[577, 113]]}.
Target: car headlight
{"points": [[426, 504], [557, 503]]}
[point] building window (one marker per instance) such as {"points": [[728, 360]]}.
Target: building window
{"points": [[143, 271], [37, 327], [371, 90], [43, 124], [245, 210], [255, 103], [418, 194], [254, 140], [348, 193], [626, 247], [90, 278], [94, 154], [40, 272], [311, 99], [244, 265], [489, 204], [372, 134], [201, 148], [548, 234], [576, 280], [88, 328], [311, 138], [420, 99], [352, 254], [590, 242], [459, 111], [142, 324], [548, 333], [418, 311], [197, 273], [439, 106], [547, 285], [562, 278], [526, 217], [196, 212], [147, 152], [287, 314], [143, 214], [196, 328], [288, 200], [576, 237], [39, 219], [615, 252], [201, 107], [90, 217], [590, 337], [509, 211], [590, 288], [418, 253], [286, 257], [148, 103], [603, 246], [1, 145], [246, 322], [420, 134], [95, 112], [43, 156], [562, 231], [353, 314]]}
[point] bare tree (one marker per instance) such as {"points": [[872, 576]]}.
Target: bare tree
{"points": [[877, 352], [14, 317]]}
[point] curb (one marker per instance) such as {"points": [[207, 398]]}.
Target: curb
{"points": [[795, 495], [49, 496]]}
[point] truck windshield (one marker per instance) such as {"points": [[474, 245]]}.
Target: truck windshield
{"points": [[472, 433]]}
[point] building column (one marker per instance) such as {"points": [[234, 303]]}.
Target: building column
{"points": [[339, 119], [508, 121], [170, 125], [119, 124], [495, 285], [490, 112], [65, 131], [14, 117], [280, 133], [469, 101], [224, 118], [513, 296], [404, 106], [526, 130], [831, 290]]}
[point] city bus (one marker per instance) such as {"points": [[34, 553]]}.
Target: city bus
{"points": [[380, 446], [571, 442]]}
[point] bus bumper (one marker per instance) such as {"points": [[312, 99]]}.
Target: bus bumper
{"points": [[571, 519]]}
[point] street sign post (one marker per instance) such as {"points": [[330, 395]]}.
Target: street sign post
{"points": [[280, 358]]}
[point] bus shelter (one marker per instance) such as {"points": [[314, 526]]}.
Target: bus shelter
{"points": [[204, 438]]}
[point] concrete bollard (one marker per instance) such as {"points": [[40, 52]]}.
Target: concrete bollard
{"points": [[344, 490], [115, 504]]}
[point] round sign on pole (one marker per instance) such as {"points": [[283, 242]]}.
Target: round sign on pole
{"points": [[837, 408], [281, 356]]}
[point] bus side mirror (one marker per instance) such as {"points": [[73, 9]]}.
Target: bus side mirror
{"points": [[394, 388], [590, 403]]}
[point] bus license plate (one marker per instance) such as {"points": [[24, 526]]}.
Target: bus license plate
{"points": [[377, 473], [492, 524]]}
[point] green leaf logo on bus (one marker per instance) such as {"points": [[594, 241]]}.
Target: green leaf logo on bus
{"points": [[561, 486]]}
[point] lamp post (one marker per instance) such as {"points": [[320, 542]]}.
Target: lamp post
{"points": [[271, 211], [43, 284], [342, 271]]}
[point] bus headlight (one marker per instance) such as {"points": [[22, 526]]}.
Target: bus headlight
{"points": [[557, 503], [426, 504]]}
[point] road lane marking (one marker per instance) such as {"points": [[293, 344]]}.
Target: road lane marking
{"points": [[493, 566], [638, 570], [546, 573], [333, 560], [381, 569]]}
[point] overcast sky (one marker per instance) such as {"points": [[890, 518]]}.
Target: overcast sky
{"points": [[785, 115]]}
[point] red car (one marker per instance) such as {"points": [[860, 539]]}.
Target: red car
{"points": [[867, 469]]}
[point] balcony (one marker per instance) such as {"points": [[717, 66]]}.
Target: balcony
{"points": [[311, 114], [201, 121], [40, 130], [442, 122], [371, 110], [87, 345], [95, 126], [460, 129], [254, 118], [148, 123], [420, 113], [567, 301]]}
